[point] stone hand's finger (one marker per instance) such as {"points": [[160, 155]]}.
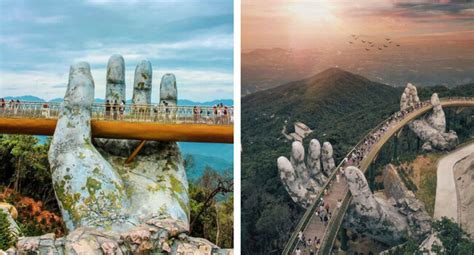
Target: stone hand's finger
{"points": [[437, 119], [168, 90], [327, 158], [314, 162], [292, 184], [297, 160], [409, 97], [115, 88], [142, 83], [89, 191]]}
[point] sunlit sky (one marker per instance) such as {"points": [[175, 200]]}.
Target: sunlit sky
{"points": [[39, 40], [313, 23]]}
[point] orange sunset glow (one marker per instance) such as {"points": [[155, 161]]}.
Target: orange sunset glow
{"points": [[312, 23], [389, 41]]}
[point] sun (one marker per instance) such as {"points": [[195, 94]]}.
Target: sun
{"points": [[310, 11]]}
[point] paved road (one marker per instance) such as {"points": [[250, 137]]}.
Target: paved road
{"points": [[446, 203]]}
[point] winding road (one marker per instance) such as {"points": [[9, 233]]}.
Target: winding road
{"points": [[446, 203]]}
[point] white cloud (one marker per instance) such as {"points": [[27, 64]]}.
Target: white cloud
{"points": [[46, 20], [139, 51], [202, 85]]}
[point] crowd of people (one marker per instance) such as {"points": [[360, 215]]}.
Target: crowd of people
{"points": [[117, 110], [218, 114], [311, 246], [12, 106], [363, 148]]}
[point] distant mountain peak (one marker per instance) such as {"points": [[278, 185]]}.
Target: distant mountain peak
{"points": [[335, 74]]}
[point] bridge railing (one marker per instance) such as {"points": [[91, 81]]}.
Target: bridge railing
{"points": [[131, 113], [309, 214]]}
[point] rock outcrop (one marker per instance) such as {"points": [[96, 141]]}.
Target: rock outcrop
{"points": [[303, 180], [431, 129], [387, 221], [110, 207], [115, 88]]}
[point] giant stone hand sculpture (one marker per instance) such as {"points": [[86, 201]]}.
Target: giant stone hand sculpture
{"points": [[382, 220], [302, 181], [110, 207], [431, 129]]}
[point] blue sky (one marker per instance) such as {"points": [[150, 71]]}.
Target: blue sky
{"points": [[193, 39]]}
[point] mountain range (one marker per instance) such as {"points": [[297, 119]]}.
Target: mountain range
{"points": [[268, 68]]}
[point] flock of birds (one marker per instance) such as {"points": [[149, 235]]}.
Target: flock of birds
{"points": [[370, 45]]}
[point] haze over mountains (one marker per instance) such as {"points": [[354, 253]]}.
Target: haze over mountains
{"points": [[267, 68]]}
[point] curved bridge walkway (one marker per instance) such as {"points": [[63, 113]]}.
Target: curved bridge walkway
{"points": [[361, 156], [139, 122]]}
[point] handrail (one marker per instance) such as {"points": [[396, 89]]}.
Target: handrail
{"points": [[307, 216], [221, 115]]}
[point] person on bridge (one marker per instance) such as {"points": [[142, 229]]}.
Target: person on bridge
{"points": [[17, 106], [195, 114], [298, 251], [121, 109], [3, 105], [45, 110], [107, 110], [300, 236], [214, 108], [115, 110]]}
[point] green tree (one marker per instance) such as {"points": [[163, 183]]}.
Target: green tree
{"points": [[26, 161], [212, 208], [453, 238], [7, 238]]}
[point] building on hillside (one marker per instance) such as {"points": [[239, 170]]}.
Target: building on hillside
{"points": [[301, 131]]}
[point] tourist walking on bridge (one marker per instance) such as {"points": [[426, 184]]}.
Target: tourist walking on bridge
{"points": [[45, 110], [3, 105], [115, 110], [17, 106], [107, 110], [121, 109]]}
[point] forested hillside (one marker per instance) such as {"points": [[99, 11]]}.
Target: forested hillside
{"points": [[339, 106]]}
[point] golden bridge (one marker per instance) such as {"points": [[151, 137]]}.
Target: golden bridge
{"points": [[138, 122], [310, 225]]}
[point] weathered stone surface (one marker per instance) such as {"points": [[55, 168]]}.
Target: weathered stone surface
{"points": [[142, 84], [89, 191], [327, 158], [302, 181], [115, 88], [431, 129], [393, 187], [168, 89], [381, 219], [371, 216], [314, 162]]}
